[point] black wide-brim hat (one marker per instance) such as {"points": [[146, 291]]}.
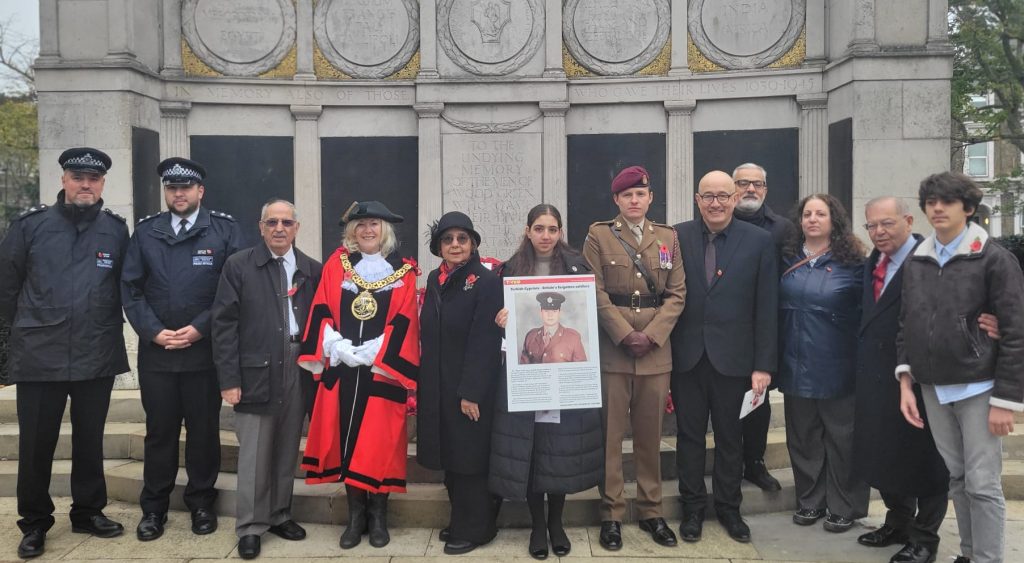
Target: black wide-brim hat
{"points": [[451, 220], [369, 210]]}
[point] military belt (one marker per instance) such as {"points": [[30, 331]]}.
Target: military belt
{"points": [[635, 300]]}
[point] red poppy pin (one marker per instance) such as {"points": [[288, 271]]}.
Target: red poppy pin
{"points": [[470, 280], [294, 288], [976, 245]]}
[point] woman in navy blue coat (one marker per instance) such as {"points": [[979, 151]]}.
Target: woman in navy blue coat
{"points": [[819, 312]]}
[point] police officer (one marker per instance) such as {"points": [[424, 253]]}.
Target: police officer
{"points": [[168, 285], [551, 342], [59, 272], [640, 293]]}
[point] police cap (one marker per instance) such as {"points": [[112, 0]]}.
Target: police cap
{"points": [[85, 159], [179, 171]]}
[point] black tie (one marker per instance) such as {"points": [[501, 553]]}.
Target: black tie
{"points": [[182, 228], [284, 299], [710, 259]]}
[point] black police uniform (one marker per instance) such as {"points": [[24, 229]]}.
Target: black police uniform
{"points": [[59, 273], [169, 282]]}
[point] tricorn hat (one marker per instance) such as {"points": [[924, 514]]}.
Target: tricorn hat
{"points": [[451, 220]]}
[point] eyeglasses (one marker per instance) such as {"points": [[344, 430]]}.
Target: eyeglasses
{"points": [[888, 225], [449, 239], [286, 223], [758, 184], [708, 198]]}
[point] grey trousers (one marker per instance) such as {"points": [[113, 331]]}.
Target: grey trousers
{"points": [[974, 457], [268, 449], [819, 435]]}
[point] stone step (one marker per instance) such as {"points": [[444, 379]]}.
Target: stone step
{"points": [[117, 440], [426, 504], [60, 476]]}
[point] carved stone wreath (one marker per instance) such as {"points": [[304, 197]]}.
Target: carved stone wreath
{"points": [[239, 37], [490, 28], [602, 51], [743, 40], [357, 64], [502, 127]]}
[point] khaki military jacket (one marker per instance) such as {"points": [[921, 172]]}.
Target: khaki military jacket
{"points": [[565, 345], [616, 274]]}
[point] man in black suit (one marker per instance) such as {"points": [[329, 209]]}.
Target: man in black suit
{"points": [[723, 345], [891, 455]]}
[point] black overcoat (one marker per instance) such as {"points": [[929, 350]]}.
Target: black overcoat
{"points": [[890, 454], [565, 458], [460, 347]]}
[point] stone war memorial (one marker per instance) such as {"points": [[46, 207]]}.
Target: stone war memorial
{"points": [[493, 106]]}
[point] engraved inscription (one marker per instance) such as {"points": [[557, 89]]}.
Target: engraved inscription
{"points": [[704, 89], [367, 32], [239, 31], [495, 179], [746, 27], [615, 31]]}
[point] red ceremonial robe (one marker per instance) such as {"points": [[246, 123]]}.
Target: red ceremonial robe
{"points": [[357, 435]]}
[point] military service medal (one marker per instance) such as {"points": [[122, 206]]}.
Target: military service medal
{"points": [[664, 256]]}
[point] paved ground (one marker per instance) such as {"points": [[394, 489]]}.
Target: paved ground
{"points": [[775, 538]]}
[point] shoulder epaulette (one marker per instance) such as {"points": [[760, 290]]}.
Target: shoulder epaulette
{"points": [[115, 215], [148, 217], [31, 211], [221, 215]]}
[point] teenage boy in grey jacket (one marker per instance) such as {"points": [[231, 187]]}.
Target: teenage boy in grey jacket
{"points": [[971, 384]]}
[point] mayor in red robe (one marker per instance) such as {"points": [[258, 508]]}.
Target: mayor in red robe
{"points": [[362, 346]]}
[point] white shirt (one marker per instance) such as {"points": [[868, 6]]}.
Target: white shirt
{"points": [[176, 220], [289, 272]]}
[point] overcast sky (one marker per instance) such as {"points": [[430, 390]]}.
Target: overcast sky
{"points": [[23, 17]]}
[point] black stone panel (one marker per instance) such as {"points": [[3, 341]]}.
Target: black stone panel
{"points": [[146, 189], [243, 173], [777, 150], [385, 169], [593, 162], [840, 162]]}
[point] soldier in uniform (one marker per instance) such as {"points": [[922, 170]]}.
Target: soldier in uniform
{"points": [[552, 342], [641, 290], [169, 280], [59, 272]]}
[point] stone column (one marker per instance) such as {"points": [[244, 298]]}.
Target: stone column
{"points": [[171, 62], [938, 25], [304, 41], [680, 62], [428, 40], [813, 143], [553, 40], [174, 129], [49, 42], [307, 177], [863, 37], [815, 29], [679, 161], [430, 191], [555, 161], [120, 30]]}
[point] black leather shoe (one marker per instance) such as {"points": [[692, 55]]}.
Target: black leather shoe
{"points": [[882, 537], [99, 526], [288, 530], [757, 473], [735, 526], [445, 534], [204, 521], [249, 546], [32, 544], [808, 516], [692, 526], [659, 530], [539, 544], [962, 559], [913, 553], [836, 524], [560, 544], [611, 535], [151, 526], [458, 547]]}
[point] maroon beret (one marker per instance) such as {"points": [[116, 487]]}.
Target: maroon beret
{"points": [[632, 177]]}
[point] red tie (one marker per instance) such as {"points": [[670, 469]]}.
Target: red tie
{"points": [[879, 275]]}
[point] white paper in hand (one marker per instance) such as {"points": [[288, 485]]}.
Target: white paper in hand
{"points": [[751, 402]]}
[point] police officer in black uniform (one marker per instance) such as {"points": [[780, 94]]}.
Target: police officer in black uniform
{"points": [[59, 273], [168, 284]]}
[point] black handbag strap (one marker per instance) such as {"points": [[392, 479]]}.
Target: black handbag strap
{"points": [[636, 262]]}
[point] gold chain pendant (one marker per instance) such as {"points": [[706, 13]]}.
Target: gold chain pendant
{"points": [[364, 306]]}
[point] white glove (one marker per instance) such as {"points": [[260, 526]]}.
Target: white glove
{"points": [[367, 351], [343, 351]]}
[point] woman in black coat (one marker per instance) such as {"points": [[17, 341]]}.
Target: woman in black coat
{"points": [[459, 370], [531, 459]]}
